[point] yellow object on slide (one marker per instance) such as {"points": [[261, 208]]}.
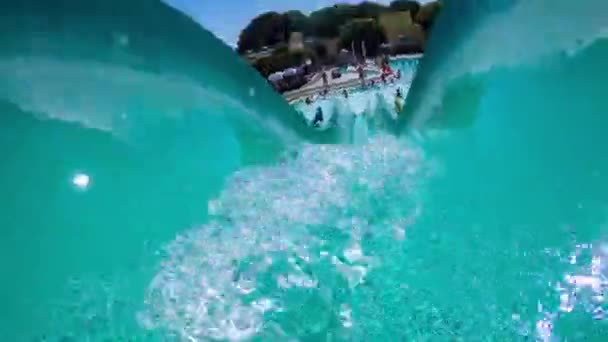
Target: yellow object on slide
{"points": [[398, 104]]}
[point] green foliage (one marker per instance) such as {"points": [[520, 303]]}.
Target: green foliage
{"points": [[282, 59], [264, 30], [297, 22], [272, 28], [320, 51], [327, 21], [368, 9], [363, 30], [427, 14], [406, 5]]}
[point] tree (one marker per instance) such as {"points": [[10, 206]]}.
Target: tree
{"points": [[428, 13], [271, 28], [368, 9], [363, 30], [282, 59], [326, 22], [320, 50], [297, 22], [266, 29], [406, 5]]}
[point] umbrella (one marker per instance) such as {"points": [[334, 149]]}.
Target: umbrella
{"points": [[277, 76], [290, 72]]}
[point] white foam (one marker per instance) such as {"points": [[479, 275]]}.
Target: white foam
{"points": [[210, 284], [582, 291]]}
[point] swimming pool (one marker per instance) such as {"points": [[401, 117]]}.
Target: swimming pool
{"points": [[369, 100]]}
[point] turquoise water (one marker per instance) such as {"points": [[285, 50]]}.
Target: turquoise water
{"points": [[157, 189]]}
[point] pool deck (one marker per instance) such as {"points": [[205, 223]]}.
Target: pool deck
{"points": [[346, 81], [398, 57]]}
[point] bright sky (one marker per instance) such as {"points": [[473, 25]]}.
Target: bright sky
{"points": [[226, 18]]}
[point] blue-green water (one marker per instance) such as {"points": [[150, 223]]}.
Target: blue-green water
{"points": [[156, 189]]}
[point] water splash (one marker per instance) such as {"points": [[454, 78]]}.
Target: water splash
{"points": [[306, 237], [581, 290]]}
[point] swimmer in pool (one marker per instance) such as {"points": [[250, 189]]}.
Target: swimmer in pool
{"points": [[398, 101], [318, 117]]}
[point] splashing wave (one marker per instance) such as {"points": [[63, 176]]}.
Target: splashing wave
{"points": [[281, 232]]}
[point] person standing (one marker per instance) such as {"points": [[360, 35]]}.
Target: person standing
{"points": [[361, 75]]}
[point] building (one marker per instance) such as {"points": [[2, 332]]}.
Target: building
{"points": [[395, 24], [330, 47], [401, 31], [296, 42]]}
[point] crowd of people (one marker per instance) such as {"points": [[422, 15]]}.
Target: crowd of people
{"points": [[387, 75]]}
